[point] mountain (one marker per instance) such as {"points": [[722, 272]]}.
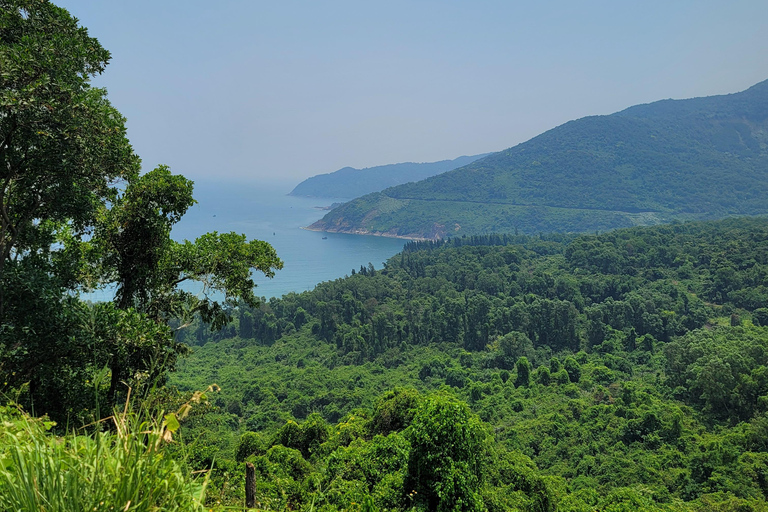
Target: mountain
{"points": [[351, 182], [700, 158]]}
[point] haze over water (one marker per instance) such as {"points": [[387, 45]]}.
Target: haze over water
{"points": [[266, 212]]}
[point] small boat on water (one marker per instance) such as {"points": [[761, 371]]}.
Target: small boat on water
{"points": [[325, 238]]}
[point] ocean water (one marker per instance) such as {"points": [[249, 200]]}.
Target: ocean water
{"points": [[266, 212]]}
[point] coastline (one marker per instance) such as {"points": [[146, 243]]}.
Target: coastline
{"points": [[368, 233]]}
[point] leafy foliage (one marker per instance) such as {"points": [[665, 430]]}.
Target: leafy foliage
{"points": [[448, 452], [76, 214], [62, 144], [596, 363], [133, 248]]}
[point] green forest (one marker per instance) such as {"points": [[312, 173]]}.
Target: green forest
{"points": [[693, 159], [622, 371], [605, 372]]}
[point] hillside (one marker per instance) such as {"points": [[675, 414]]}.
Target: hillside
{"points": [[701, 158], [350, 182], [625, 371]]}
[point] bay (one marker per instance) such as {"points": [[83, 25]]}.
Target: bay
{"points": [[266, 212]]}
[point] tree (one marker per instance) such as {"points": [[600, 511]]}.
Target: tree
{"points": [[523, 372], [63, 150], [132, 238], [449, 445], [132, 247], [245, 329], [75, 213], [514, 345], [62, 145], [394, 411], [572, 366], [760, 316]]}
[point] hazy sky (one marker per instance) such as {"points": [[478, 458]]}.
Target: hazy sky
{"points": [[286, 89]]}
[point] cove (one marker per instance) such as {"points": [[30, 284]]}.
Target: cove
{"points": [[266, 212]]}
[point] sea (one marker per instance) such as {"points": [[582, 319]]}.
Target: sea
{"points": [[266, 212]]}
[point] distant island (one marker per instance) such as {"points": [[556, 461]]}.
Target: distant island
{"points": [[701, 158], [349, 182]]}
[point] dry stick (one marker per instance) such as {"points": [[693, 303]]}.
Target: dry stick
{"points": [[250, 485]]}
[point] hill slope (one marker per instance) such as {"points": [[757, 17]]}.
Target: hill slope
{"points": [[351, 182], [630, 367], [701, 158]]}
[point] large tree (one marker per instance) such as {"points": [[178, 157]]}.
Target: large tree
{"points": [[133, 249], [62, 144], [75, 212], [449, 452], [63, 150]]}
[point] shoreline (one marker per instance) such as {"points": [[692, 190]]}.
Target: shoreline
{"points": [[368, 233]]}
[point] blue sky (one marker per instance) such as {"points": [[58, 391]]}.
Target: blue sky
{"points": [[282, 90]]}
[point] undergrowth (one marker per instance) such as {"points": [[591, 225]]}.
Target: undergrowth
{"points": [[117, 466]]}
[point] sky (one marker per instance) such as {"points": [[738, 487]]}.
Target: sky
{"points": [[277, 91]]}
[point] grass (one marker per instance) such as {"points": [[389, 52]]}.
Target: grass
{"points": [[123, 469]]}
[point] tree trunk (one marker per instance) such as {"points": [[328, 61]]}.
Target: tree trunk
{"points": [[250, 485]]}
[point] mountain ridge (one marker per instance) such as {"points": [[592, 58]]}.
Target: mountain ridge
{"points": [[699, 158], [351, 182]]}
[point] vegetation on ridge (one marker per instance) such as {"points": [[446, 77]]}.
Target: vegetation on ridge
{"points": [[349, 182], [702, 158]]}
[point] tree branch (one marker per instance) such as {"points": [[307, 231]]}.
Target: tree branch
{"points": [[180, 280]]}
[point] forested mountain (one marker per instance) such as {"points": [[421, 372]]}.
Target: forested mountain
{"points": [[619, 372], [350, 182], [701, 158]]}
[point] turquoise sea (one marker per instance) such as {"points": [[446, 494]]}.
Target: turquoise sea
{"points": [[267, 213]]}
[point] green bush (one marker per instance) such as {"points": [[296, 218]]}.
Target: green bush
{"points": [[446, 467], [251, 443], [394, 411]]}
